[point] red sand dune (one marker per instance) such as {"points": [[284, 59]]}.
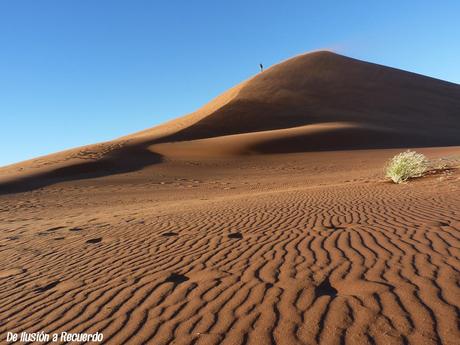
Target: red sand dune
{"points": [[261, 218], [324, 87], [313, 102]]}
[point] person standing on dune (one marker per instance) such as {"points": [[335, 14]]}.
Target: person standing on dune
{"points": [[261, 67]]}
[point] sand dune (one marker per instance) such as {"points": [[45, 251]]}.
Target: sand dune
{"points": [[262, 218], [307, 138], [386, 107], [325, 87]]}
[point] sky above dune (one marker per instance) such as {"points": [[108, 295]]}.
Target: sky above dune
{"points": [[82, 71]]}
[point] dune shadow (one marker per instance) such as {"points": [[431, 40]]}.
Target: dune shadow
{"points": [[176, 278], [325, 289], [169, 234], [94, 240], [47, 287], [340, 139], [235, 235], [123, 160], [233, 118]]}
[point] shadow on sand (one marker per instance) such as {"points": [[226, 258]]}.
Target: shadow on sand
{"points": [[123, 160]]}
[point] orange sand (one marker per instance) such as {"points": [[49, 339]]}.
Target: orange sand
{"points": [[262, 218]]}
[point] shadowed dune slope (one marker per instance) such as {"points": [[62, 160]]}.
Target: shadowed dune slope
{"points": [[325, 87], [313, 102]]}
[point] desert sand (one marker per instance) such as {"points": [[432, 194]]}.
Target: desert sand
{"points": [[261, 218]]}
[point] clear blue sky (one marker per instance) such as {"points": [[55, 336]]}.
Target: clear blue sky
{"points": [[75, 72]]}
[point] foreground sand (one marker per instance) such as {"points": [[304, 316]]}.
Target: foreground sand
{"points": [[280, 249]]}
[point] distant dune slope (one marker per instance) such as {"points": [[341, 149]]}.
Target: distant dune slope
{"points": [[312, 102]]}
